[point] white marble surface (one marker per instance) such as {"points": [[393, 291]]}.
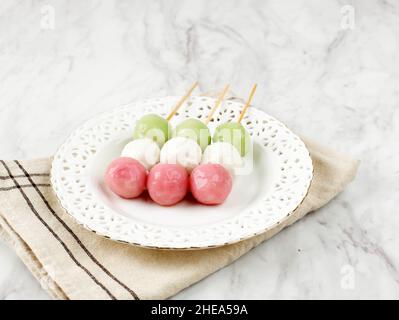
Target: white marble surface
{"points": [[328, 80]]}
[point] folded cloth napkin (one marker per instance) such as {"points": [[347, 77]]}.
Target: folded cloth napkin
{"points": [[73, 263]]}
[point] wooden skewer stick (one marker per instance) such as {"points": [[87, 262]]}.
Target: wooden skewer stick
{"points": [[247, 103], [217, 104], [181, 101]]}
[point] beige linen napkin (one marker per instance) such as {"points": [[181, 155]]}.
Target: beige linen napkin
{"points": [[73, 263]]}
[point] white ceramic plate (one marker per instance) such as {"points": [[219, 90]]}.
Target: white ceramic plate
{"points": [[277, 184]]}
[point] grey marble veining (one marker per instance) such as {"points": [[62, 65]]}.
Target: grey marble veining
{"points": [[329, 70]]}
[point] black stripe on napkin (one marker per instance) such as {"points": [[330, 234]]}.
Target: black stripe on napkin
{"points": [[24, 186], [23, 176]]}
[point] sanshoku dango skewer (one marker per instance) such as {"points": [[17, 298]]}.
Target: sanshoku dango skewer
{"points": [[168, 181], [185, 148], [211, 182], [230, 142]]}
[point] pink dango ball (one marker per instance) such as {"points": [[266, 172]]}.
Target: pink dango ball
{"points": [[126, 177], [167, 184], [210, 183]]}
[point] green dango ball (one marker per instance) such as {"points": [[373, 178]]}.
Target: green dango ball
{"points": [[154, 127], [234, 133], [196, 130]]}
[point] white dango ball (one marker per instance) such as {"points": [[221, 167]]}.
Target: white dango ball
{"points": [[183, 151], [225, 154], [144, 150]]}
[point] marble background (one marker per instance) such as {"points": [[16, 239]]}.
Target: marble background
{"points": [[328, 69]]}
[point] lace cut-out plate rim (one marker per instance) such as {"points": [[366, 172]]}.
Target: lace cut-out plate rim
{"points": [[254, 220]]}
